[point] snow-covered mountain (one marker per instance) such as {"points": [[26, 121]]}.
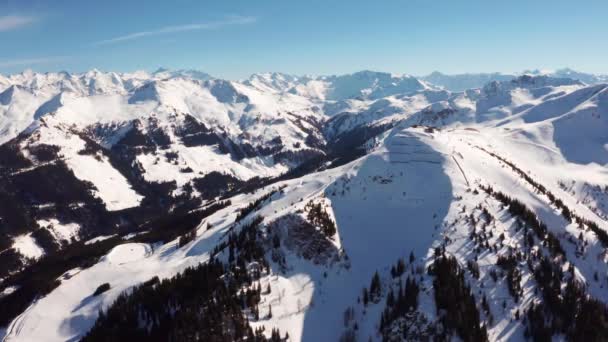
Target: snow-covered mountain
{"points": [[360, 85], [573, 74], [368, 206], [461, 82]]}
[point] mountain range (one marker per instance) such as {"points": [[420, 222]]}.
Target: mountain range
{"points": [[367, 206]]}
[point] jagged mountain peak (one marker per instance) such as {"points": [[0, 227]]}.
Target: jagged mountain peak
{"points": [[362, 85], [543, 81], [528, 82], [165, 73], [9, 93], [274, 81], [462, 82], [52, 105]]}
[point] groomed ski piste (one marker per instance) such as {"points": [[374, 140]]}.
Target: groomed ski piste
{"points": [[417, 188]]}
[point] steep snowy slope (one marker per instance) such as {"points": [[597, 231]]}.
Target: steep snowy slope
{"points": [[109, 184], [164, 145], [495, 101], [419, 189], [29, 95], [43, 87], [17, 108]]}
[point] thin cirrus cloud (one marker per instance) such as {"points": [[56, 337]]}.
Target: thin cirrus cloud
{"points": [[212, 25], [13, 22], [30, 61]]}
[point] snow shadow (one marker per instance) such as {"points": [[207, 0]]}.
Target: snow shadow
{"points": [[394, 204], [579, 122]]}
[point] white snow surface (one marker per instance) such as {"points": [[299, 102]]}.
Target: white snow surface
{"points": [[411, 192], [401, 197], [60, 230], [111, 186], [26, 245]]}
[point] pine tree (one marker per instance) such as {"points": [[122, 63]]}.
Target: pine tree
{"points": [[390, 298], [400, 267], [375, 286]]}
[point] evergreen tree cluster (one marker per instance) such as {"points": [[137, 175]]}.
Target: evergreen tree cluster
{"points": [[203, 303], [563, 310], [45, 239], [514, 276], [473, 267], [518, 209], [40, 278], [318, 216], [398, 269], [375, 290], [101, 289], [196, 305], [11, 259], [399, 304], [244, 248], [171, 226], [569, 311], [254, 205], [455, 302], [601, 234], [568, 214], [214, 183], [187, 237]]}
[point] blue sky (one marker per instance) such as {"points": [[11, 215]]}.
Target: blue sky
{"points": [[233, 39]]}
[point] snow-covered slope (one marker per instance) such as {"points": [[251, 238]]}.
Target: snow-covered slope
{"points": [[461, 82], [363, 84], [275, 81], [507, 179], [140, 145], [417, 190]]}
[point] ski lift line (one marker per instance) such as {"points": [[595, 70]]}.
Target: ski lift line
{"points": [[460, 168]]}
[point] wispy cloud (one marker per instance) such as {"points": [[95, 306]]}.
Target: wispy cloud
{"points": [[30, 61], [13, 22], [235, 20]]}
